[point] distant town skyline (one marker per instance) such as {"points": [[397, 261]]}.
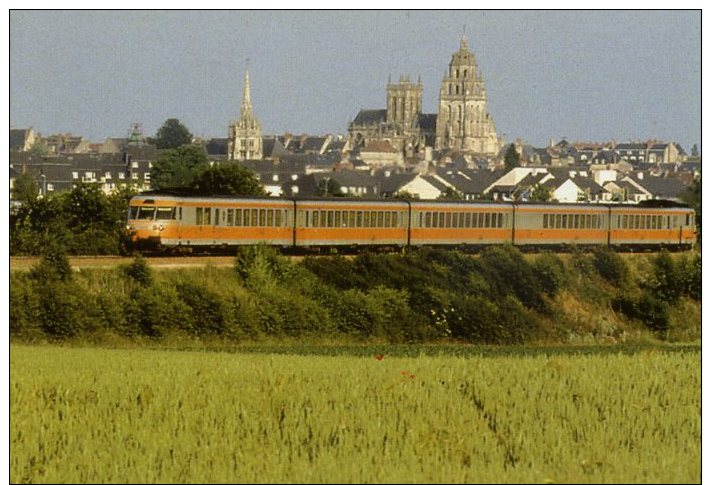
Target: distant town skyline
{"points": [[580, 75]]}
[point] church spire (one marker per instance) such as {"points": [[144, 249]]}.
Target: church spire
{"points": [[246, 101]]}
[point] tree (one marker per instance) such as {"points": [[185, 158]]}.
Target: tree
{"points": [[328, 187], [540, 193], [24, 189], [172, 134], [695, 150], [226, 178], [178, 167], [450, 194], [692, 197], [512, 158]]}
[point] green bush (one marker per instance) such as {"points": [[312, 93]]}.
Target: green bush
{"points": [[610, 266], [550, 272], [652, 312], [138, 271]]}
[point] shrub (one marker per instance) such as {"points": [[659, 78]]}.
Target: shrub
{"points": [[206, 309], [138, 271], [652, 312], [611, 266], [666, 281], [550, 272], [54, 265], [508, 273]]}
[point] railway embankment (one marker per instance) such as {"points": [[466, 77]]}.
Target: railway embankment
{"points": [[498, 296]]}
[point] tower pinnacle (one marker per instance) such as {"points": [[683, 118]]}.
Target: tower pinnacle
{"points": [[246, 101], [463, 43]]}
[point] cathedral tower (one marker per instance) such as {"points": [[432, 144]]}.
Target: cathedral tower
{"points": [[245, 134], [463, 121], [404, 103]]}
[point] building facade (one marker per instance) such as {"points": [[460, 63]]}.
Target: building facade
{"points": [[245, 134], [464, 122]]}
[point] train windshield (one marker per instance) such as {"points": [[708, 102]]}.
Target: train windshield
{"points": [[144, 212], [165, 213]]}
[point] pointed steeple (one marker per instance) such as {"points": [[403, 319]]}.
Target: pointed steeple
{"points": [[463, 43], [246, 101]]}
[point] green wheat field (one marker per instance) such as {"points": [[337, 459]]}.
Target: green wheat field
{"points": [[88, 415]]}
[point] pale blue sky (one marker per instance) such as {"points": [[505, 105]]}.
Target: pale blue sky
{"points": [[583, 75]]}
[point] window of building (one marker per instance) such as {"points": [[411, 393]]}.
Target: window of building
{"points": [[50, 187], [134, 164], [121, 176], [75, 175], [134, 176]]}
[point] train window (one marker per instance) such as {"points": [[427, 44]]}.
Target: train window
{"points": [[467, 219], [277, 217], [315, 219], [180, 213], [428, 219], [230, 217], [359, 219], [687, 219], [329, 219], [487, 220], [435, 219], [262, 217], [198, 216], [238, 217], [564, 221], [447, 219], [216, 220], [381, 219], [366, 219], [337, 219], [351, 218], [545, 221], [455, 219], [625, 222], [207, 216], [653, 222], [270, 217]]}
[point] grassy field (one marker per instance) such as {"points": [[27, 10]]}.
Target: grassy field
{"points": [[137, 415]]}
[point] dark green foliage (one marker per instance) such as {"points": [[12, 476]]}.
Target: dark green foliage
{"points": [[228, 178], [172, 134], [54, 265], [155, 310], [450, 194], [511, 158], [328, 187], [138, 271], [508, 273], [666, 282], [651, 311], [178, 167], [83, 221], [690, 270], [550, 272], [25, 189], [611, 266], [206, 315], [24, 307], [692, 197]]}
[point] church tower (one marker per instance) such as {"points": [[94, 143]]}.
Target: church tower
{"points": [[404, 103], [463, 121], [245, 134]]}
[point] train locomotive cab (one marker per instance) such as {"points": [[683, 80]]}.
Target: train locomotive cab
{"points": [[150, 221]]}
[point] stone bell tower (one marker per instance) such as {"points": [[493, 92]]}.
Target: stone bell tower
{"points": [[463, 121]]}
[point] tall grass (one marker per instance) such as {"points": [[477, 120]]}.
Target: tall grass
{"points": [[142, 416]]}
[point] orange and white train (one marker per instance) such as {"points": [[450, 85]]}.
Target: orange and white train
{"points": [[167, 220]]}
